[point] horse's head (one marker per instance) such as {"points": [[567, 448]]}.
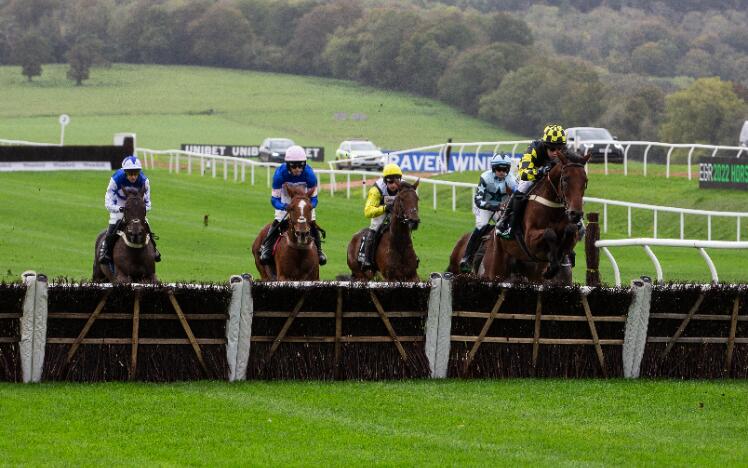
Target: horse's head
{"points": [[570, 177], [405, 207], [134, 215], [300, 214]]}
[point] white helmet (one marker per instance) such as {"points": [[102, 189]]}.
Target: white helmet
{"points": [[501, 160], [131, 163], [295, 153]]}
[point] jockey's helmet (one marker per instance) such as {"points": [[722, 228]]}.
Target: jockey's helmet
{"points": [[501, 161], [295, 153], [131, 163], [392, 169], [554, 135]]}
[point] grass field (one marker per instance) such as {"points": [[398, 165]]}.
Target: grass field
{"points": [[168, 106], [50, 220], [510, 422]]}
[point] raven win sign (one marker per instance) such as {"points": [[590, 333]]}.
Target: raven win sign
{"points": [[723, 173]]}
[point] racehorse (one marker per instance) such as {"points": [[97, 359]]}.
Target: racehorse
{"points": [[133, 252], [394, 257], [549, 230], [295, 257]]}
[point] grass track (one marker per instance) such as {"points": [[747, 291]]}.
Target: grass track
{"points": [[505, 422]]}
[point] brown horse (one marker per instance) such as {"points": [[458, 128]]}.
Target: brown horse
{"points": [[133, 253], [395, 257], [295, 257], [549, 230]]}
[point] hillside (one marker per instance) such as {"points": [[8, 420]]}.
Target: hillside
{"points": [[168, 106]]}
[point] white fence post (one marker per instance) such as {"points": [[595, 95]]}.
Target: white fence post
{"points": [[439, 324], [637, 324], [33, 327], [239, 327]]}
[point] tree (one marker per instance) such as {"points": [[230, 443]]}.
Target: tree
{"points": [[222, 37], [477, 71], [707, 112], [30, 52], [506, 28], [314, 29], [426, 53], [86, 51], [547, 91], [655, 58], [386, 31], [634, 108]]}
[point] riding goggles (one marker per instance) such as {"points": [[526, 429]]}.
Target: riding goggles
{"points": [[296, 165], [391, 179], [555, 147]]}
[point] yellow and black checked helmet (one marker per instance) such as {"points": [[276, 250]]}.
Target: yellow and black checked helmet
{"points": [[554, 134]]}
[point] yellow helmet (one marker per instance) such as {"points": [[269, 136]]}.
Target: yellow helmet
{"points": [[554, 134], [392, 169]]}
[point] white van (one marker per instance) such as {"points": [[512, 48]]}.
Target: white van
{"points": [[744, 134]]}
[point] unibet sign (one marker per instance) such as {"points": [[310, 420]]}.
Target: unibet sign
{"points": [[723, 173]]}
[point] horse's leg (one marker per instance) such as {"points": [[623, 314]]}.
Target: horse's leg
{"points": [[457, 252], [552, 242]]}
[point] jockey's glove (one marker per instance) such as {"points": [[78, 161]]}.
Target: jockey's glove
{"points": [[387, 208], [121, 209], [543, 171]]}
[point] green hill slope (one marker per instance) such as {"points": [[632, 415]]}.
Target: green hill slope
{"points": [[167, 106]]}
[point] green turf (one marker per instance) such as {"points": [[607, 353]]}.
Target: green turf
{"points": [[50, 220], [509, 422], [168, 105]]}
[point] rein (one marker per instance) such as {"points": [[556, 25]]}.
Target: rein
{"points": [[559, 192], [133, 245]]}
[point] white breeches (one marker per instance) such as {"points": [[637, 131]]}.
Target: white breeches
{"points": [[524, 185], [376, 222], [483, 217]]}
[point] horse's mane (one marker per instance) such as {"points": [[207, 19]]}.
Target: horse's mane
{"points": [[574, 156], [406, 185]]}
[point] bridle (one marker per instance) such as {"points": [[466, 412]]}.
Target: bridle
{"points": [[402, 215], [126, 221], [562, 185], [300, 221]]}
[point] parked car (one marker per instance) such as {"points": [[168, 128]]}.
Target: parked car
{"points": [[576, 138], [744, 134], [274, 149], [362, 154]]}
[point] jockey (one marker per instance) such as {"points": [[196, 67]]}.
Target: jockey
{"points": [[294, 172], [535, 164], [493, 188], [378, 206], [130, 175]]}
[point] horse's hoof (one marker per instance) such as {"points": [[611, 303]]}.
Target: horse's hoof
{"points": [[550, 273]]}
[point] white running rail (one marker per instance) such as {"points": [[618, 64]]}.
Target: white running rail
{"points": [[655, 209], [185, 161], [646, 243]]}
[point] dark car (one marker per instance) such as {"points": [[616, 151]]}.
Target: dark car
{"points": [[274, 149], [580, 138]]}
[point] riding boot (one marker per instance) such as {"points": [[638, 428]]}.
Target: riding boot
{"points": [[502, 227], [516, 212], [266, 249], [105, 251], [364, 251], [318, 242], [466, 264], [156, 253]]}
